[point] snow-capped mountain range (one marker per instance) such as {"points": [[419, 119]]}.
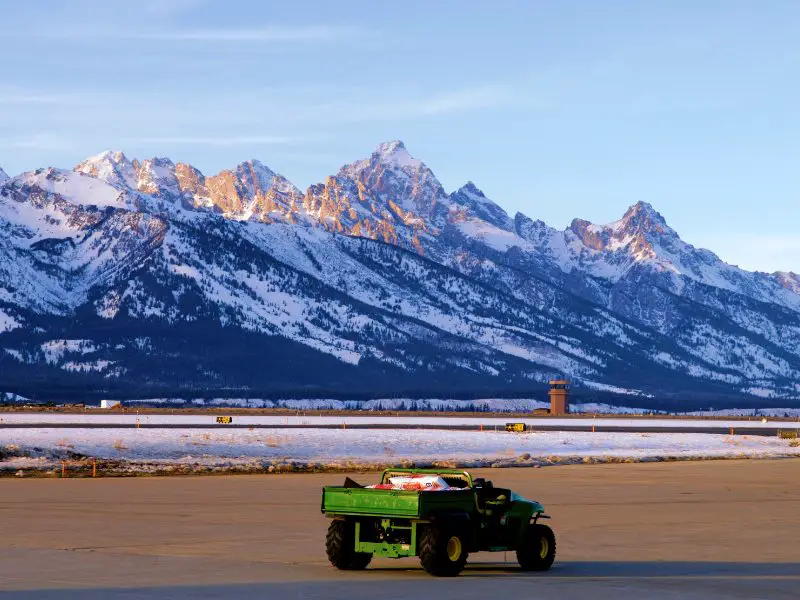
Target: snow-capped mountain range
{"points": [[142, 278]]}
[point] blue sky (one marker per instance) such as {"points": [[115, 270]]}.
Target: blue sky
{"points": [[558, 109]]}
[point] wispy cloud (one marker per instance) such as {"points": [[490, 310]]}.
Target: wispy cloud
{"points": [[265, 140], [461, 100], [267, 107], [38, 141], [375, 109], [313, 33], [256, 35], [167, 8], [19, 95]]}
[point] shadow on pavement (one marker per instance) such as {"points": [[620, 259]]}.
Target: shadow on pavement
{"points": [[608, 569], [613, 580]]}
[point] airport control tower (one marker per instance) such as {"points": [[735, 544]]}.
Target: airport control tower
{"points": [[559, 396]]}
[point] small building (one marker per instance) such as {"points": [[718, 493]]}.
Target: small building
{"points": [[559, 396], [110, 404]]}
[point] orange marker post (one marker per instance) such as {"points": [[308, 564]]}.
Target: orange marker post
{"points": [[63, 469], [94, 467]]}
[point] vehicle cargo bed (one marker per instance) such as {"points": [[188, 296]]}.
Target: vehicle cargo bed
{"points": [[338, 500]]}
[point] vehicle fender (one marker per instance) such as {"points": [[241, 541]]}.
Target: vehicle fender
{"points": [[519, 516]]}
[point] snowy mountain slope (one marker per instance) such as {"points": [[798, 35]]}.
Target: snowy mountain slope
{"points": [[725, 345], [3, 176], [245, 288], [150, 275], [62, 233], [558, 340]]}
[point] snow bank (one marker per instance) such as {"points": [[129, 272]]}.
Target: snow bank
{"points": [[44, 447]]}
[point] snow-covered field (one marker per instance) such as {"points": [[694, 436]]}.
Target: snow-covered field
{"points": [[151, 449], [363, 419]]}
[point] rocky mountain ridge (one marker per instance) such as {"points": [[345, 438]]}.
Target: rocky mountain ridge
{"points": [[375, 281]]}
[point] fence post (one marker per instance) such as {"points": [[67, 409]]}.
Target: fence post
{"points": [[63, 469]]}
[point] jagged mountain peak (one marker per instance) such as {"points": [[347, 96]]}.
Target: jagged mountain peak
{"points": [[254, 162], [42, 187], [95, 165], [470, 197], [117, 159], [3, 176], [155, 176], [535, 231], [389, 180], [642, 239], [639, 218], [390, 146], [471, 188], [251, 190], [639, 228], [788, 280], [253, 169], [644, 217], [160, 161], [111, 166], [114, 156], [394, 153], [642, 207]]}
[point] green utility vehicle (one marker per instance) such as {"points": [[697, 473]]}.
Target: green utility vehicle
{"points": [[441, 527]]}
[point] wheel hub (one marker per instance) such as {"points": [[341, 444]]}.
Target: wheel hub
{"points": [[454, 548], [544, 548]]}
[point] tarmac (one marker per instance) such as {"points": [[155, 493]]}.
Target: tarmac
{"points": [[707, 529]]}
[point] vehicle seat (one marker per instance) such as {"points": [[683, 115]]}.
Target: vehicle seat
{"points": [[495, 499], [484, 491]]}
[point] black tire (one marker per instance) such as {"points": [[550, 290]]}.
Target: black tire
{"points": [[443, 550], [340, 547], [538, 550]]}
